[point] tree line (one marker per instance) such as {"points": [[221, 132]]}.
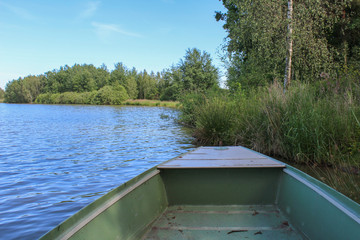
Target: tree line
{"points": [[307, 41], [87, 84]]}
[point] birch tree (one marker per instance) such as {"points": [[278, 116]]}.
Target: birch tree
{"points": [[306, 38], [287, 77]]}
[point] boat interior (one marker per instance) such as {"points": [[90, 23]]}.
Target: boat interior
{"points": [[222, 203], [216, 193]]}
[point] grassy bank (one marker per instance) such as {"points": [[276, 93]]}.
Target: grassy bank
{"points": [[307, 125], [152, 103], [105, 96], [302, 125]]}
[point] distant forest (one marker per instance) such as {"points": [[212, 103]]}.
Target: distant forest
{"points": [[312, 42], [87, 84]]}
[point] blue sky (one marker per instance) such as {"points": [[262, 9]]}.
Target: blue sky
{"points": [[41, 35]]}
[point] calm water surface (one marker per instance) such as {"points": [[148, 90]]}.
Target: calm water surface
{"points": [[55, 159]]}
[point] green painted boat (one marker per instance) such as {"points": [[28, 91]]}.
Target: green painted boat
{"points": [[217, 193]]}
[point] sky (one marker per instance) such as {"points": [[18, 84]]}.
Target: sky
{"points": [[40, 35]]}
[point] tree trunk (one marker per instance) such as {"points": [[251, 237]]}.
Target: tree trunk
{"points": [[345, 44], [289, 41]]}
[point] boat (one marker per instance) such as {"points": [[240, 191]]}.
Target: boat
{"points": [[217, 193]]}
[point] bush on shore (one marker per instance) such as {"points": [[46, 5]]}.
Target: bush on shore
{"points": [[106, 95]]}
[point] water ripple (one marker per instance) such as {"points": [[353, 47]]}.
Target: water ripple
{"points": [[55, 159]]}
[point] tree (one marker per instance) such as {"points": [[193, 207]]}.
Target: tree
{"points": [[31, 88], [197, 71], [262, 37], [121, 75], [255, 42], [131, 86], [100, 75], [345, 35], [118, 75], [83, 81], [13, 92], [2, 93], [23, 90], [169, 85], [289, 41], [111, 95], [146, 84]]}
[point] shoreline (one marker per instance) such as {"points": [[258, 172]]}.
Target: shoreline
{"points": [[137, 102]]}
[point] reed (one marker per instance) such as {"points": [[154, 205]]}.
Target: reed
{"points": [[215, 122], [300, 125]]}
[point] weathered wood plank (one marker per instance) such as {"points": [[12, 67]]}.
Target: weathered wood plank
{"points": [[222, 157]]}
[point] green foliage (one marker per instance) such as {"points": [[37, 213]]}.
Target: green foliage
{"points": [[2, 93], [197, 71], [23, 90], [152, 103], [189, 106], [170, 84], [308, 128], [105, 96], [194, 73], [131, 86], [78, 78], [13, 93], [147, 86], [256, 47], [83, 82], [325, 35], [111, 95], [121, 75], [215, 121], [74, 84], [170, 93], [300, 125]]}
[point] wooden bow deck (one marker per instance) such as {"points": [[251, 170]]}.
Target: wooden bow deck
{"points": [[221, 157]]}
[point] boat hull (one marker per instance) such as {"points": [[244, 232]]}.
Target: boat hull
{"points": [[185, 200]]}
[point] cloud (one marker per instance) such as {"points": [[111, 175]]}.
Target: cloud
{"points": [[90, 9], [105, 30], [20, 12]]}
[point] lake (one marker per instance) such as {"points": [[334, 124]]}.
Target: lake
{"points": [[56, 159]]}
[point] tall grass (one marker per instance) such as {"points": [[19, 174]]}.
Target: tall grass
{"points": [[215, 123], [305, 126], [300, 125]]}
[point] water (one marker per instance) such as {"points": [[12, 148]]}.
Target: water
{"points": [[56, 159]]}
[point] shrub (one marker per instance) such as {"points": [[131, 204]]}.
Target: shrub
{"points": [[215, 122], [189, 104], [111, 95], [106, 95]]}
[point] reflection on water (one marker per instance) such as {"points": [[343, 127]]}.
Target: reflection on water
{"points": [[55, 159]]}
